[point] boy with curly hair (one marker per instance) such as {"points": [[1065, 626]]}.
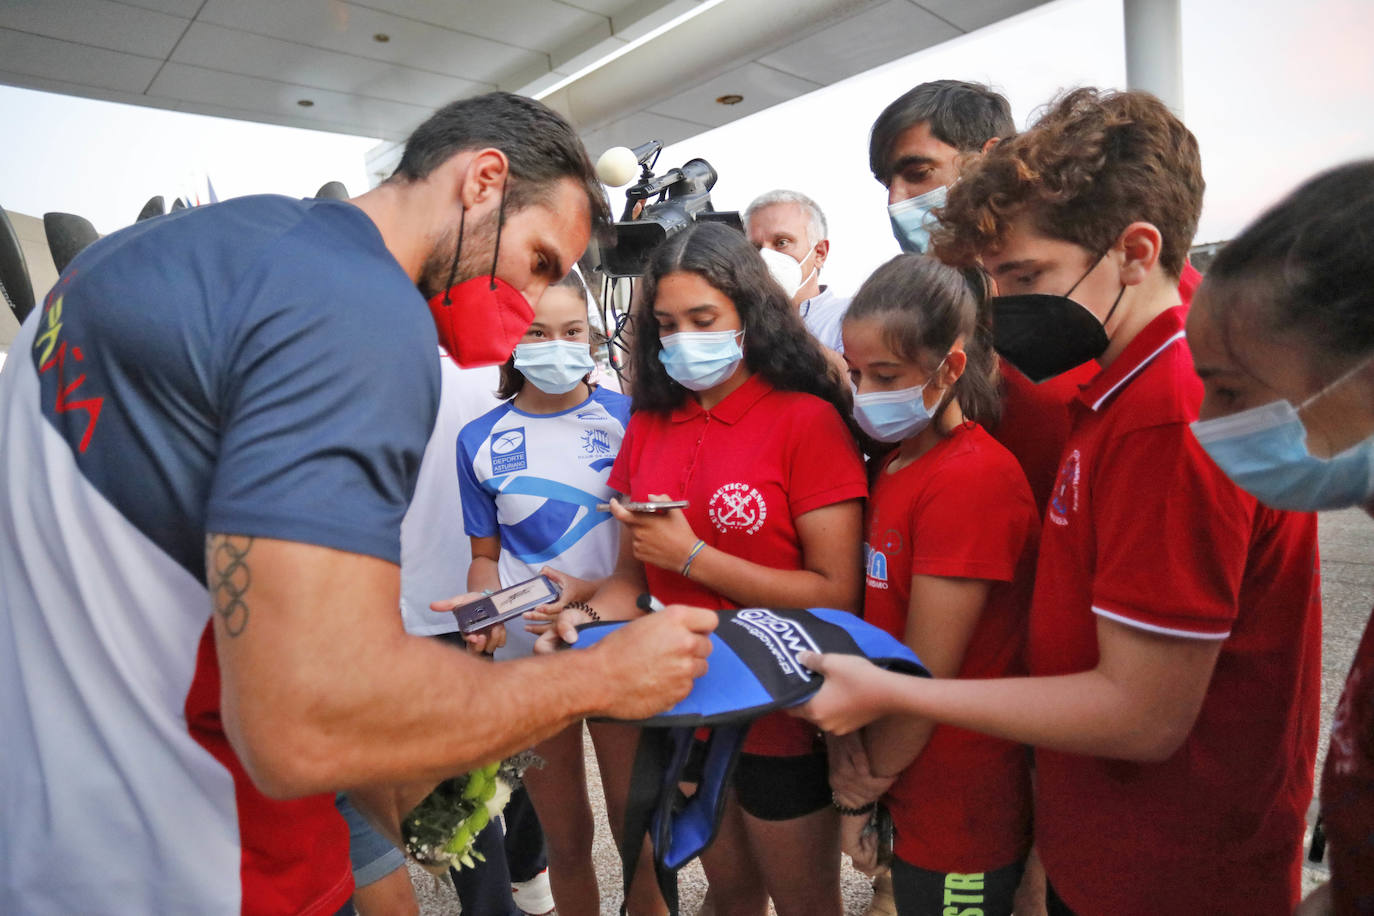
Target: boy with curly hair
{"points": [[1175, 626]]}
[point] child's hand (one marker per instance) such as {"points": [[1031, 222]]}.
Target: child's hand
{"points": [[562, 633], [851, 696], [483, 642], [486, 642], [570, 588]]}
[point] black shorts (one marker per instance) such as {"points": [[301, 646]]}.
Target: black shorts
{"points": [[782, 788], [774, 788], [1053, 904], [920, 892]]}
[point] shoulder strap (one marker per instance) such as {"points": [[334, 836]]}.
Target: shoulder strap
{"points": [[652, 770]]}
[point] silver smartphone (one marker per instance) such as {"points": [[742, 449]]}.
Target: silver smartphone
{"points": [[501, 606], [663, 506]]}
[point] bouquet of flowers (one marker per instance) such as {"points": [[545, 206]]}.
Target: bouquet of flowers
{"points": [[442, 830]]}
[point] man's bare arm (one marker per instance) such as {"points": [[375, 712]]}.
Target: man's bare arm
{"points": [[323, 690]]}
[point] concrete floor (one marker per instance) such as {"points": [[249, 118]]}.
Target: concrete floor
{"points": [[1347, 548]]}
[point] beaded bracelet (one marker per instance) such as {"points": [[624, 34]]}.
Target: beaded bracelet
{"points": [[585, 608], [696, 549], [852, 812]]}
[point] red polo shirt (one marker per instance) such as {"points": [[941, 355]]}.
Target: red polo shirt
{"points": [[1348, 787], [748, 467], [1036, 418], [961, 510], [1142, 528]]}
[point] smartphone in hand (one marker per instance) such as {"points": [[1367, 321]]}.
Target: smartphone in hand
{"points": [[663, 506], [501, 606]]}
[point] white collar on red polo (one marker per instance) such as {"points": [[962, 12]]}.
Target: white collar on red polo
{"points": [[1159, 335]]}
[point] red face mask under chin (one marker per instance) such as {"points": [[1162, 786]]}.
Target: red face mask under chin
{"points": [[481, 319]]}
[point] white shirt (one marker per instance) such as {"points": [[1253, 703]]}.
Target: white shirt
{"points": [[435, 550], [822, 315], [535, 480]]}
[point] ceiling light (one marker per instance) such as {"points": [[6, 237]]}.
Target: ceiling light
{"points": [[730, 98], [304, 103], [381, 38], [692, 13]]}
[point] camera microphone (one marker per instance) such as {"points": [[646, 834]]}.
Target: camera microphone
{"points": [[617, 166]]}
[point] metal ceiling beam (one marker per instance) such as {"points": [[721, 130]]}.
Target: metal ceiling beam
{"points": [[731, 33]]}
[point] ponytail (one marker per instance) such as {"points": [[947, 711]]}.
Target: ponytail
{"points": [[924, 307]]}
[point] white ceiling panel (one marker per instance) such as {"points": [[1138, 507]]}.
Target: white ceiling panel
{"points": [[98, 23], [639, 128], [343, 27], [195, 84], [614, 7], [971, 15], [585, 48], [48, 58], [894, 29], [242, 114], [762, 87], [538, 25], [183, 8], [379, 67], [214, 47], [642, 18]]}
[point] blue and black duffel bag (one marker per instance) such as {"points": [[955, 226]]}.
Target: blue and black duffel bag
{"points": [[753, 670]]}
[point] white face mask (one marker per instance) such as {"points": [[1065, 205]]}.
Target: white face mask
{"points": [[787, 270]]}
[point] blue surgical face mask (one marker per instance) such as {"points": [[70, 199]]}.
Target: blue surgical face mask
{"points": [[1264, 451], [891, 416], [701, 359], [554, 366], [912, 219]]}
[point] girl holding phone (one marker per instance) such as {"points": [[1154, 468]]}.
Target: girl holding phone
{"points": [[736, 412]]}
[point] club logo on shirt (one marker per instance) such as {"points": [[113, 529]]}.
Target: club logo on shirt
{"points": [[737, 507], [596, 442], [1064, 499], [508, 451], [875, 564]]}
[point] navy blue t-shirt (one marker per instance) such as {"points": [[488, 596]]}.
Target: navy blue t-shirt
{"points": [[258, 367], [264, 367]]}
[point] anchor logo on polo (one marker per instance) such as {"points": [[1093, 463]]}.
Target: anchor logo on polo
{"points": [[1064, 499], [737, 507]]}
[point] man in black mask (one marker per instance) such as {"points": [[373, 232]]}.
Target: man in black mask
{"points": [[211, 431], [917, 149], [1175, 628], [1187, 611]]}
